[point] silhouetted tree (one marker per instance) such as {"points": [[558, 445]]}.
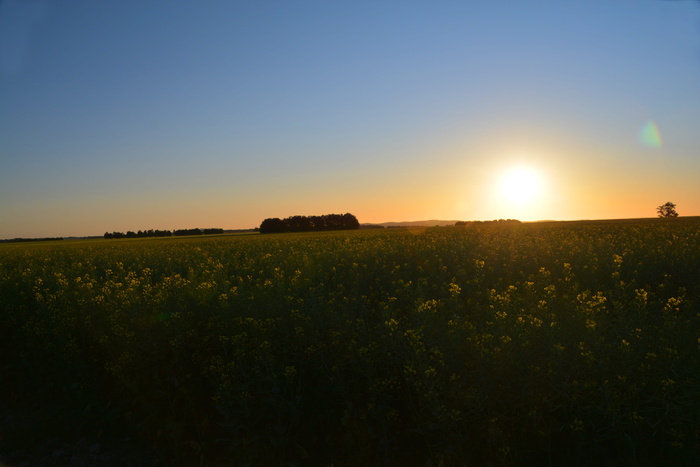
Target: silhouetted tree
{"points": [[183, 232], [667, 210], [350, 222], [310, 223], [272, 225], [149, 233], [23, 240]]}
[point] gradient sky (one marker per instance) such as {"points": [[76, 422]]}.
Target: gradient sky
{"points": [[127, 115]]}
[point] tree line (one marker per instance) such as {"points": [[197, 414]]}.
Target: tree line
{"points": [[21, 240], [310, 223], [493, 222], [162, 233]]}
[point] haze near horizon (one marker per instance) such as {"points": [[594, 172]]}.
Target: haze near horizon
{"points": [[119, 116]]}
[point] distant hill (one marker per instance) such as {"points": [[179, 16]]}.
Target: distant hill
{"points": [[428, 223]]}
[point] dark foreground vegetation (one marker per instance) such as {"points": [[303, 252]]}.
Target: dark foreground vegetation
{"points": [[558, 344]]}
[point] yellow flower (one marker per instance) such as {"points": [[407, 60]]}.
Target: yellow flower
{"points": [[576, 425]]}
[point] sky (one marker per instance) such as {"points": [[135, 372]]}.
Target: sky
{"points": [[136, 115]]}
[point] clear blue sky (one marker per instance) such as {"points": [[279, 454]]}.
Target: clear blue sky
{"points": [[128, 115]]}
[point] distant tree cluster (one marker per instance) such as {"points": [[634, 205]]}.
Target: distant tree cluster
{"points": [[498, 222], [184, 232], [162, 233], [21, 240], [139, 234], [310, 223]]}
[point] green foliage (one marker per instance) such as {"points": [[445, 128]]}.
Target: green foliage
{"points": [[554, 344]]}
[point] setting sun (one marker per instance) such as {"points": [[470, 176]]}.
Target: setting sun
{"points": [[520, 185]]}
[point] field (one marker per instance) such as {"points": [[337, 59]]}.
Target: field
{"points": [[533, 344]]}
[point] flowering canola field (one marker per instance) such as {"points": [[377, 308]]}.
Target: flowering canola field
{"points": [[543, 344]]}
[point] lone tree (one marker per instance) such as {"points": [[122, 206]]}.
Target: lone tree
{"points": [[667, 210]]}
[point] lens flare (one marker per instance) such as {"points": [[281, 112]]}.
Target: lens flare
{"points": [[649, 135]]}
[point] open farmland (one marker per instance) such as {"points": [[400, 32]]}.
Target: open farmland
{"points": [[531, 344]]}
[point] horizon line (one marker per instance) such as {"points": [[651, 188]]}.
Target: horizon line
{"points": [[394, 223]]}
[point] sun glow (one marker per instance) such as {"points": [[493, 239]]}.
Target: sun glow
{"points": [[520, 186]]}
